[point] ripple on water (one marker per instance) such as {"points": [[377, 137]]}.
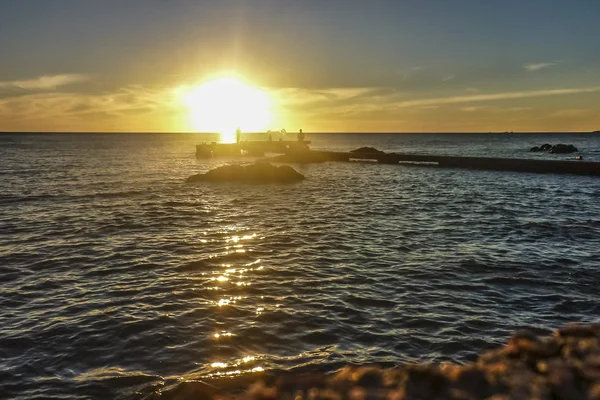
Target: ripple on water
{"points": [[125, 280]]}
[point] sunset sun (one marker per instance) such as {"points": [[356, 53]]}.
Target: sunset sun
{"points": [[225, 104]]}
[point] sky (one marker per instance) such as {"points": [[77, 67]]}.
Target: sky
{"points": [[327, 65]]}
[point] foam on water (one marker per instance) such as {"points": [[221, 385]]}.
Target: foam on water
{"points": [[116, 277]]}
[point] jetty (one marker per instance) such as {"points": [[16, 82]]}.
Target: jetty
{"points": [[254, 148], [299, 152]]}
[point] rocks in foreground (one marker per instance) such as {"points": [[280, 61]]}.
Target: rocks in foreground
{"points": [[556, 149], [563, 366], [260, 172]]}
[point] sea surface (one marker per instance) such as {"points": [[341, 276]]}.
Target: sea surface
{"points": [[117, 279]]}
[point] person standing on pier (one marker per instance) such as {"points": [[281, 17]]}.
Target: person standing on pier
{"points": [[238, 135], [301, 136]]}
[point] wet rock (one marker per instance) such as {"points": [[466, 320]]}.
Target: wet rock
{"points": [[565, 365], [556, 149], [367, 150], [544, 147], [578, 330], [261, 172], [563, 149]]}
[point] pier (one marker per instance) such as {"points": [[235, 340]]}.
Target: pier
{"points": [[298, 152], [253, 148]]}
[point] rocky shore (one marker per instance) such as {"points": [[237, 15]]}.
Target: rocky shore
{"points": [[565, 365]]}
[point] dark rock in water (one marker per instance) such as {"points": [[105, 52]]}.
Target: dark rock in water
{"points": [[367, 150], [563, 366], [556, 149], [563, 149], [260, 172]]}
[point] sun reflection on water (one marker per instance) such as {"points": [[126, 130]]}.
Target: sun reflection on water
{"points": [[238, 365], [231, 279]]}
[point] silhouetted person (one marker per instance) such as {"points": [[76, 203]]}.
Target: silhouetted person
{"points": [[270, 136], [238, 135], [300, 136]]}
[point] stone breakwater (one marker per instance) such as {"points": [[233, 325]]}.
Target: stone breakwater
{"points": [[565, 365]]}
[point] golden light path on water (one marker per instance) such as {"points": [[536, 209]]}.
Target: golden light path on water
{"points": [[224, 278]]}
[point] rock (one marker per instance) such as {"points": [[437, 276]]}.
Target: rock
{"points": [[563, 149], [567, 368], [556, 149], [367, 150], [260, 172]]}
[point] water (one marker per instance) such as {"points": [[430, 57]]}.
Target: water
{"points": [[117, 278]]}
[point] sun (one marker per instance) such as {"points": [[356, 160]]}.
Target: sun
{"points": [[225, 104]]}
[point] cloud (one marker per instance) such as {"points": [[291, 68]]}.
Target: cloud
{"points": [[537, 66], [516, 109], [159, 108], [494, 109], [349, 109], [494, 96], [41, 84], [132, 108], [363, 99], [407, 74], [573, 113], [474, 108], [448, 78], [45, 82]]}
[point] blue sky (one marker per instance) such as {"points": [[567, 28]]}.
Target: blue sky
{"points": [[395, 52]]}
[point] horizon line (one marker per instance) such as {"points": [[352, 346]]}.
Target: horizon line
{"points": [[289, 133]]}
